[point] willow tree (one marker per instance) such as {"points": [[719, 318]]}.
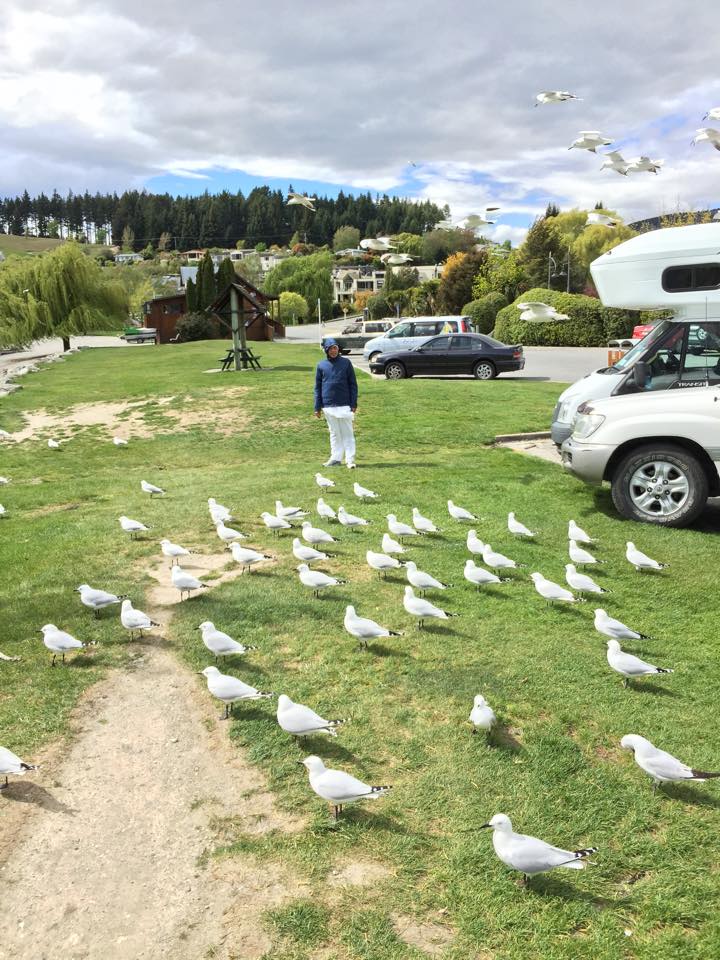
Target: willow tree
{"points": [[63, 293]]}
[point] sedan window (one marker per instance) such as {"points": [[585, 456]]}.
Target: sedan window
{"points": [[439, 344], [463, 343]]}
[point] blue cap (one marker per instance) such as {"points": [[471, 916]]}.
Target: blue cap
{"points": [[329, 342]]}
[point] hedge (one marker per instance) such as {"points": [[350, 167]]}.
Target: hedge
{"points": [[484, 311], [590, 324]]}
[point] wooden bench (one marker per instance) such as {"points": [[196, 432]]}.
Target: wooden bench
{"points": [[246, 355]]}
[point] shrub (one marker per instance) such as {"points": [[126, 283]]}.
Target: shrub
{"points": [[484, 311], [195, 326], [590, 324], [378, 307]]}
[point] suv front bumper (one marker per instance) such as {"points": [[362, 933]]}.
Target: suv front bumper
{"points": [[586, 460]]}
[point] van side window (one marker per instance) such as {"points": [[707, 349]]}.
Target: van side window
{"points": [[698, 276], [402, 330]]}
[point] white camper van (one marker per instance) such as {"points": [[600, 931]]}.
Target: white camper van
{"points": [[675, 269]]}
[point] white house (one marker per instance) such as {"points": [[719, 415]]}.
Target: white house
{"points": [[349, 281], [128, 257]]}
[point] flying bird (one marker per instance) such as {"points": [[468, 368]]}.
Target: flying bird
{"points": [[595, 219], [644, 164], [533, 311], [589, 140], [713, 114], [614, 160], [710, 134], [300, 200], [554, 96]]}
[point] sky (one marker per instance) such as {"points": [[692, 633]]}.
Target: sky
{"points": [[406, 97]]}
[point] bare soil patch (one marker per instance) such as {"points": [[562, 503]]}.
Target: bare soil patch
{"points": [[166, 595], [431, 938], [358, 873]]}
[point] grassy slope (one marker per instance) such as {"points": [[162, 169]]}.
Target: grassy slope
{"points": [[560, 775], [23, 245]]}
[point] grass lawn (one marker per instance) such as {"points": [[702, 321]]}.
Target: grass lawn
{"points": [[556, 770], [23, 245]]}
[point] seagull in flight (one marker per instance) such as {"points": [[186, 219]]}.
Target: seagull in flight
{"points": [[554, 96], [589, 140], [600, 219], [300, 200], [533, 311], [614, 160], [708, 133]]}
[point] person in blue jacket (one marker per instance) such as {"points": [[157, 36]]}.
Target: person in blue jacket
{"points": [[336, 400]]}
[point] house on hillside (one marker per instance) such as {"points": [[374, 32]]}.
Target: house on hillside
{"points": [[349, 281], [128, 257]]}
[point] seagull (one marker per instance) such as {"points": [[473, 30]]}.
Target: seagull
{"points": [[613, 160], [316, 580], [628, 665], [363, 493], [459, 513], [533, 311], [713, 114], [497, 560], [642, 164], [12, 764], [173, 550], [580, 582], [299, 199], [420, 609], [218, 511], [301, 721], [389, 545], [324, 511], [474, 544], [323, 482], [422, 581], [396, 259], [364, 629], [661, 766], [4, 480], [97, 600], [554, 96], [480, 576], [53, 444], [227, 534], [716, 215], [382, 562], [288, 513], [57, 641], [530, 855], [132, 526], [133, 619], [577, 534], [379, 245], [482, 717], [338, 787], [151, 488], [595, 219], [184, 581], [313, 535], [247, 557], [578, 555], [276, 524], [615, 629], [640, 560], [423, 524], [230, 690], [707, 133], [307, 554], [552, 591], [399, 529], [518, 529], [219, 643], [348, 520], [590, 140], [3, 511], [4, 435], [119, 442]]}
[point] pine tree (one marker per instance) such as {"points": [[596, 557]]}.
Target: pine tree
{"points": [[205, 282], [191, 300], [225, 276]]}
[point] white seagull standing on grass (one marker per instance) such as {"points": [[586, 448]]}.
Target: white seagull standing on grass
{"points": [[399, 529], [615, 629], [363, 493], [324, 511], [316, 580], [314, 535], [307, 554], [97, 600], [218, 511], [289, 513], [580, 556], [518, 529], [132, 526], [185, 582], [391, 546], [421, 609], [474, 543], [53, 444], [423, 524], [133, 619], [482, 717], [301, 721], [530, 855], [552, 591], [151, 489], [498, 561], [581, 582], [364, 629], [119, 442], [173, 550], [481, 577], [10, 764], [221, 644], [349, 520], [230, 690], [422, 581], [337, 787], [323, 482], [382, 562], [577, 533], [227, 534], [629, 666], [641, 561], [459, 513], [661, 766], [247, 557], [58, 641], [274, 523]]}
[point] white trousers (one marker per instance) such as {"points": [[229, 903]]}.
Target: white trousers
{"points": [[342, 438]]}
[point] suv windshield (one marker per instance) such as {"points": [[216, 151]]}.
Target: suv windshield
{"points": [[639, 349]]}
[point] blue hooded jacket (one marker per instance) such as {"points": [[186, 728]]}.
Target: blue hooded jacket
{"points": [[335, 383]]}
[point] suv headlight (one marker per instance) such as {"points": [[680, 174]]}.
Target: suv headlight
{"points": [[586, 424], [563, 414]]}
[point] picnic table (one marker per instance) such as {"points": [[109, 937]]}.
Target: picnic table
{"points": [[246, 356]]}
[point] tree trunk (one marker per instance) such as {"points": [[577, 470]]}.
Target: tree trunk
{"points": [[66, 344]]}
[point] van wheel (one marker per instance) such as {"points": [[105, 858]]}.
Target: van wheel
{"points": [[373, 356], [663, 485], [395, 370], [484, 370]]}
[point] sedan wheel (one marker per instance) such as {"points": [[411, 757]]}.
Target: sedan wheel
{"points": [[484, 370], [395, 370]]}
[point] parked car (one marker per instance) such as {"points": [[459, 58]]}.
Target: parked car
{"points": [[139, 335], [659, 451], [412, 332], [356, 335], [472, 354]]}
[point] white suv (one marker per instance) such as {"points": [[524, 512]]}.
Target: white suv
{"points": [[660, 451]]}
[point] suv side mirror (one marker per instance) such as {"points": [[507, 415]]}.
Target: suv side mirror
{"points": [[641, 374]]}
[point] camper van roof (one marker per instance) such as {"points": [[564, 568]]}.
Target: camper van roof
{"points": [[698, 240]]}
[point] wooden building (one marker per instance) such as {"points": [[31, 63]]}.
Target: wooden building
{"points": [[163, 313]]}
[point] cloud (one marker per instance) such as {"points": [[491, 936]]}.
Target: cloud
{"points": [[108, 95]]}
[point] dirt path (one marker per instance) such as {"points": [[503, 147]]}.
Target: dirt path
{"points": [[101, 849]]}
